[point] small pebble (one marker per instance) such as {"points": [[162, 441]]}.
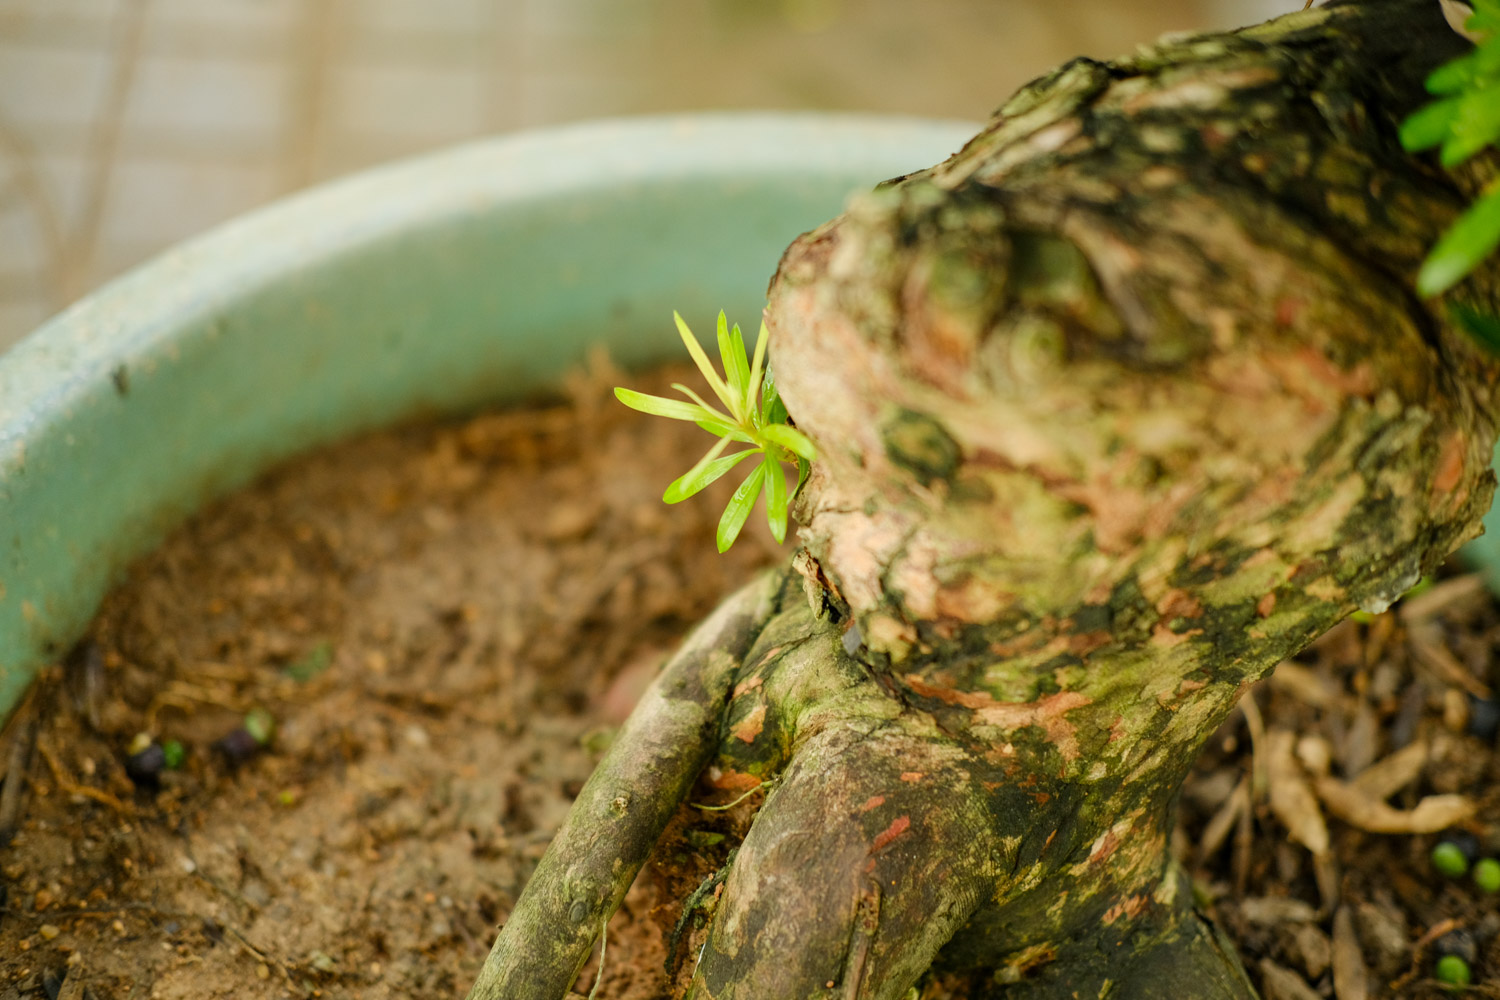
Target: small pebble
{"points": [[263, 971], [1484, 718], [49, 931]]}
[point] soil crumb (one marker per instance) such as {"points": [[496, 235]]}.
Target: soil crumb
{"points": [[315, 745]]}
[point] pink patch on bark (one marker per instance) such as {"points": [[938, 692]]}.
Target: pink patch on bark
{"points": [[1048, 712], [748, 730], [744, 687], [1287, 311], [898, 826], [1450, 465], [1130, 906]]}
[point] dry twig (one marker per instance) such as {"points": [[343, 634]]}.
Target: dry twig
{"points": [[68, 786]]}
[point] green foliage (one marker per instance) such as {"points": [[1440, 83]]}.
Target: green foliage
{"points": [[174, 754], [753, 415], [1463, 120], [1487, 874], [1453, 971], [261, 725], [317, 660], [1448, 858]]}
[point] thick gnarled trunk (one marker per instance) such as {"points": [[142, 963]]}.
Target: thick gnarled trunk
{"points": [[1117, 408]]}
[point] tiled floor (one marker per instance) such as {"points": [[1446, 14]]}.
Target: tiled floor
{"points": [[126, 125]]}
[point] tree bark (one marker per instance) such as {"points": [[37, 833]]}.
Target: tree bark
{"points": [[1117, 408]]}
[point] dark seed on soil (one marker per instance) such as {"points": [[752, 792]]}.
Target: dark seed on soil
{"points": [[238, 747], [1484, 718], [145, 768], [1460, 943]]}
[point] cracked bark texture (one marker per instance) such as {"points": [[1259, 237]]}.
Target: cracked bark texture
{"points": [[1117, 408]]}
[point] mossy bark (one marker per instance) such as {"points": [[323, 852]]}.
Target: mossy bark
{"points": [[1117, 408]]}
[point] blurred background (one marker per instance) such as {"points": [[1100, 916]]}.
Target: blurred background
{"points": [[127, 125]]}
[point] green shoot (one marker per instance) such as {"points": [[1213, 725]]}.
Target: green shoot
{"points": [[752, 414], [1463, 121]]}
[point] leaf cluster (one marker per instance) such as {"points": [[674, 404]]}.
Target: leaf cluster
{"points": [[752, 414], [1462, 121]]}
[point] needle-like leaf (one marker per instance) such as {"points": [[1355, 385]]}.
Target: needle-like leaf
{"points": [[791, 439], [672, 409], [719, 428], [753, 384], [742, 362], [775, 497], [771, 409], [732, 354], [1472, 238], [1464, 123], [756, 418], [709, 468], [1475, 125], [739, 508], [706, 366], [1429, 126], [717, 414]]}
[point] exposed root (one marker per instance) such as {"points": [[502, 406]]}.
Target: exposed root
{"points": [[623, 808]]}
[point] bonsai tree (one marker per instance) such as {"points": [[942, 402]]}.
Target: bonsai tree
{"points": [[1114, 410]]}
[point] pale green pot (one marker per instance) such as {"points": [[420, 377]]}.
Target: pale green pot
{"points": [[465, 278]]}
